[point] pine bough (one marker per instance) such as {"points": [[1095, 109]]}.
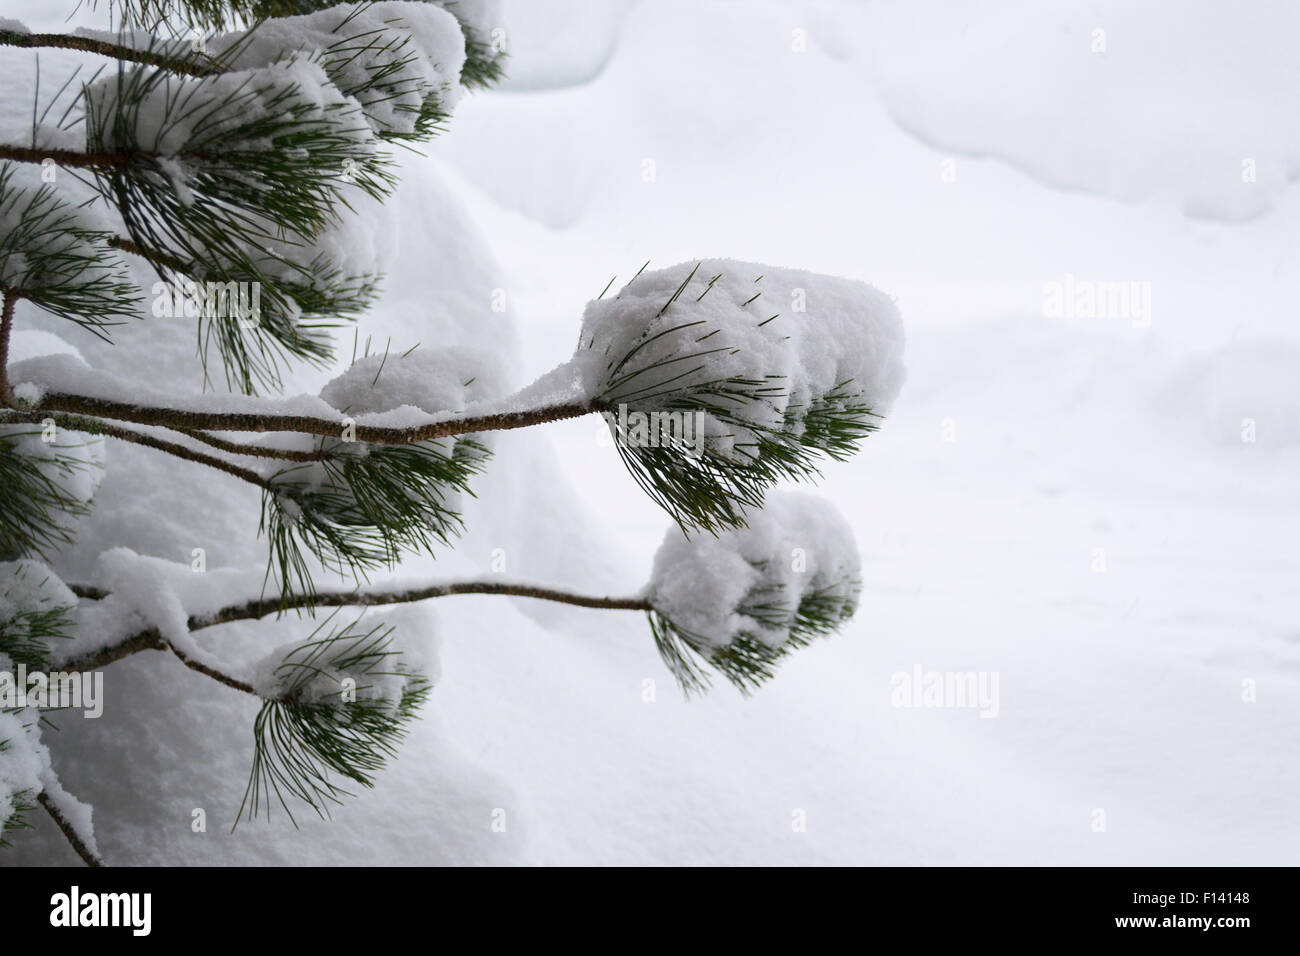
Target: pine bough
{"points": [[229, 160]]}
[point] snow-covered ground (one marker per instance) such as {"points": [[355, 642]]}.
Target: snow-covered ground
{"points": [[1099, 509]]}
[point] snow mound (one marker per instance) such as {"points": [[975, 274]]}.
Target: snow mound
{"points": [[1052, 88], [1241, 394], [555, 44]]}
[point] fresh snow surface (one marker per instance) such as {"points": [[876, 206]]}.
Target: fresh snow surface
{"points": [[559, 44]]}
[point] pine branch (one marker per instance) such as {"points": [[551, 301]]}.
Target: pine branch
{"points": [[342, 703], [359, 508], [210, 176], [764, 404], [35, 502], [747, 661], [50, 256], [254, 451], [77, 159], [116, 51], [297, 304], [94, 426], [256, 609], [10, 300], [69, 831], [181, 419], [208, 671]]}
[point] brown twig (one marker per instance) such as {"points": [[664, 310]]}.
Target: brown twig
{"points": [[63, 41], [6, 324], [69, 831], [183, 420], [68, 157], [96, 427], [254, 610], [151, 639]]}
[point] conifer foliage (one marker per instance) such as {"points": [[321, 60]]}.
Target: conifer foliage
{"points": [[218, 145]]}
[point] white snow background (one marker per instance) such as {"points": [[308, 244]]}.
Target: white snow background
{"points": [[960, 156]]}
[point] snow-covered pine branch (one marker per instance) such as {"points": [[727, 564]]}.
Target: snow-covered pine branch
{"points": [[55, 257], [769, 369], [741, 601], [335, 705], [401, 61], [233, 175], [693, 344], [358, 507], [480, 22], [36, 612], [45, 486], [229, 162]]}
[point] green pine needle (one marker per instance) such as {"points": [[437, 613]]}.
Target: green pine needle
{"points": [[35, 505], [747, 661], [363, 506], [313, 732], [55, 262]]}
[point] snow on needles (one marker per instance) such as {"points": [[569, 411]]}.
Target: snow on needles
{"points": [[23, 760], [392, 57], [378, 663], [147, 118], [29, 594], [793, 337], [28, 588], [751, 582], [402, 390]]}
